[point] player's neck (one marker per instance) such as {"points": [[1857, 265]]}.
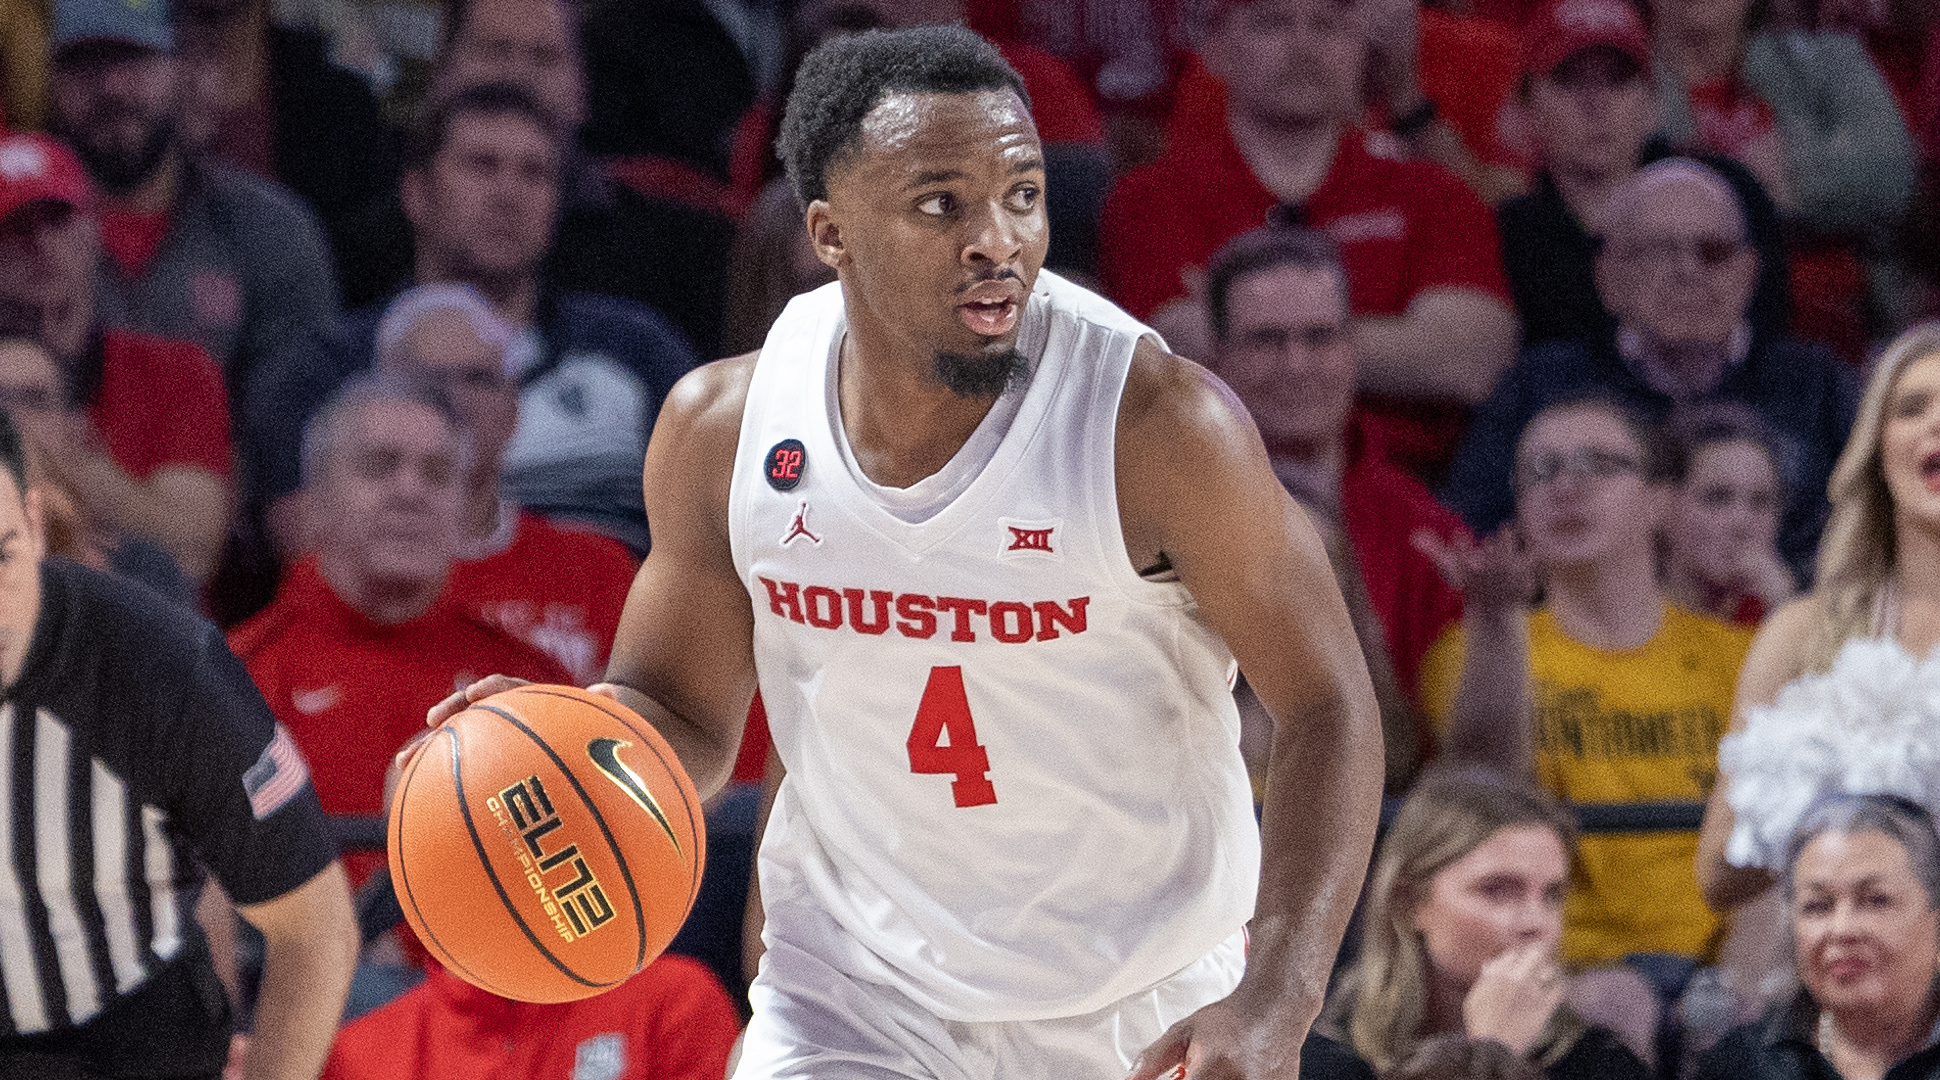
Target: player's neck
{"points": [[383, 599], [903, 424], [1291, 159], [1611, 604]]}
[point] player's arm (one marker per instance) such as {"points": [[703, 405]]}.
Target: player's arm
{"points": [[1195, 489], [684, 654], [1773, 661], [309, 953]]}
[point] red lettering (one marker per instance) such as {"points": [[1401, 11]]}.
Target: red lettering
{"points": [[1002, 617], [817, 597], [964, 608], [914, 618], [946, 708], [785, 598], [1050, 616], [880, 598]]}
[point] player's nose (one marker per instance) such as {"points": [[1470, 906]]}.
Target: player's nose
{"points": [[995, 235]]}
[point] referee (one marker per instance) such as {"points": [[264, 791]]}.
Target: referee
{"points": [[134, 752]]}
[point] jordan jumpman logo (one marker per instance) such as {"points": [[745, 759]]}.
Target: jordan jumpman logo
{"points": [[799, 527]]}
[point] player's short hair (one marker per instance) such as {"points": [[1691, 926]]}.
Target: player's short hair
{"points": [[848, 75], [1266, 248], [324, 430], [13, 453], [483, 99]]}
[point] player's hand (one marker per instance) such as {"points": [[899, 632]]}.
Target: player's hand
{"points": [[470, 695], [1512, 1000], [1224, 1041]]}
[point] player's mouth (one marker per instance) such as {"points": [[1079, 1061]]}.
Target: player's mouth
{"points": [[989, 318]]}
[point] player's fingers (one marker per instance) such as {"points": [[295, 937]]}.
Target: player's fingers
{"points": [[1163, 1060], [446, 709], [478, 691]]}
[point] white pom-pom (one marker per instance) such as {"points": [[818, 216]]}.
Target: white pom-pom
{"points": [[1869, 725]]}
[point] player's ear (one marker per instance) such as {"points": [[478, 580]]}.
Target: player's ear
{"points": [[824, 234]]}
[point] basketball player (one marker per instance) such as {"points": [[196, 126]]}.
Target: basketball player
{"points": [[990, 552]]}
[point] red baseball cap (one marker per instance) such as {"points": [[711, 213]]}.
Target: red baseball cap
{"points": [[35, 168], [1566, 27]]}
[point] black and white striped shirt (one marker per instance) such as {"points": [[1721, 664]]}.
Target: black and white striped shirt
{"points": [[134, 752]]}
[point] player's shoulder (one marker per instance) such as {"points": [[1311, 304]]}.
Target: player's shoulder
{"points": [[1168, 397], [711, 398]]}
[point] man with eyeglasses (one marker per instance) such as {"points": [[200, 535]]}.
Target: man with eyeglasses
{"points": [[1606, 693], [1677, 273], [1277, 301], [559, 590]]}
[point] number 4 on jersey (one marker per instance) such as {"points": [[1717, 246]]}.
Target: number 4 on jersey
{"points": [[945, 708]]}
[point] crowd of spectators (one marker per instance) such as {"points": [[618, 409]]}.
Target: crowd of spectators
{"points": [[1553, 314]]}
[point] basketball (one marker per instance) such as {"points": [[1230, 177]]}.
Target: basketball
{"points": [[545, 843]]}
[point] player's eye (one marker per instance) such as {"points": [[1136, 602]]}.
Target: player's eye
{"points": [[1024, 199], [940, 204]]}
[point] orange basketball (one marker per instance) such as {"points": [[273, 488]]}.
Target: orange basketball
{"points": [[545, 843]]}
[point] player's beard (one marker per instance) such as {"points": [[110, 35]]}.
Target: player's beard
{"points": [[980, 375], [116, 169]]}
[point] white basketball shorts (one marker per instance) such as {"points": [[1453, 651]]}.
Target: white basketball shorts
{"points": [[813, 1021]]}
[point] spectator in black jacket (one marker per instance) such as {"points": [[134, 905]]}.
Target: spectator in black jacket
{"points": [[1863, 883], [1678, 272], [665, 252], [1591, 104]]}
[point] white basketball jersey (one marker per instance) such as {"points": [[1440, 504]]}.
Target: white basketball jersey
{"points": [[1014, 785]]}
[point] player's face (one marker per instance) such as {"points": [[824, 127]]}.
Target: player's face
{"points": [[1581, 497], [443, 348], [935, 222], [1726, 509], [1909, 450], [1287, 356], [1291, 61], [1592, 114], [1505, 894], [484, 204], [528, 43], [388, 507], [22, 543]]}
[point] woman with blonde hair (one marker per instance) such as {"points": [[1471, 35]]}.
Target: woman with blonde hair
{"points": [[1463, 920], [1878, 570]]}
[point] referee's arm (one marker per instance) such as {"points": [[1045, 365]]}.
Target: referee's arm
{"points": [[310, 951]]}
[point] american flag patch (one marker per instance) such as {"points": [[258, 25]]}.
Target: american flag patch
{"points": [[276, 777]]}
